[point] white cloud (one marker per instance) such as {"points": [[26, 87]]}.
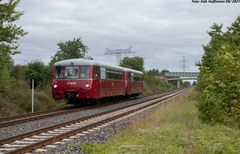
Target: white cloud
{"points": [[160, 31]]}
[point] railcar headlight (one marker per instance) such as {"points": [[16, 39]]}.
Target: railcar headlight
{"points": [[87, 85], [54, 86]]}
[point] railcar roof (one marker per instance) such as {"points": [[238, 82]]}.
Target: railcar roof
{"points": [[131, 70], [79, 61]]}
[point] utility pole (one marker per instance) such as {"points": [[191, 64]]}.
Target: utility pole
{"points": [[118, 53], [184, 64], [32, 95]]}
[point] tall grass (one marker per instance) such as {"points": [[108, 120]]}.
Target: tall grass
{"points": [[174, 128], [152, 83], [18, 100]]}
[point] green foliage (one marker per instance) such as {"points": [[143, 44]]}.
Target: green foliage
{"points": [[5, 73], [19, 101], [9, 31], [172, 129], [154, 72], [219, 82], [39, 71], [153, 83], [164, 71], [9, 34], [19, 72], [213, 46], [133, 63], [5, 79], [70, 49]]}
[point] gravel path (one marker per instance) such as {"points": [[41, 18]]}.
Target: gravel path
{"points": [[34, 125]]}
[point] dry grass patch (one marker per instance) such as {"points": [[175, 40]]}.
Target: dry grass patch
{"points": [[174, 128], [18, 101]]}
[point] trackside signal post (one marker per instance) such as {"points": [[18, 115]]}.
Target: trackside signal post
{"points": [[33, 85]]}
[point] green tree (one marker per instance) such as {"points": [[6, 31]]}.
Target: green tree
{"points": [[70, 49], [10, 32], [219, 80], [39, 71], [133, 63], [4, 79], [154, 71], [164, 71], [213, 46]]}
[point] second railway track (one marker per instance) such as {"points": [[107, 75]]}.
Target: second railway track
{"points": [[18, 119], [36, 139]]}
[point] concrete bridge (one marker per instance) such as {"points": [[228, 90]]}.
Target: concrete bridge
{"points": [[178, 76]]}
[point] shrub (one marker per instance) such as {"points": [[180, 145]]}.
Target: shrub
{"points": [[219, 82], [152, 83], [5, 79], [39, 71]]}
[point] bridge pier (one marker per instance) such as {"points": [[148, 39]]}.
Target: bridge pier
{"points": [[178, 83]]}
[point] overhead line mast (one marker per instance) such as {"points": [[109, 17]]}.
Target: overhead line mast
{"points": [[118, 53], [184, 63]]}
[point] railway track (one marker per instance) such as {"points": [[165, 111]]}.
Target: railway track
{"points": [[36, 139], [19, 119], [10, 121]]}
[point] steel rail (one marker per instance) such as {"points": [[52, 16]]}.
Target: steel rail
{"points": [[2, 119], [23, 150], [14, 120], [34, 146], [38, 131]]}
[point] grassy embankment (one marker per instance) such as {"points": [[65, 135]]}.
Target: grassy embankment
{"points": [[174, 128], [17, 99], [152, 84]]}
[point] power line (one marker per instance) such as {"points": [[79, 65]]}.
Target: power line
{"points": [[118, 53], [184, 63]]}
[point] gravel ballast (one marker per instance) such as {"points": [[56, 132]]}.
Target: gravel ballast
{"points": [[43, 123], [101, 135]]}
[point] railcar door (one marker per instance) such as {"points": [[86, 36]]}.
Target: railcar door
{"points": [[96, 83], [129, 83]]}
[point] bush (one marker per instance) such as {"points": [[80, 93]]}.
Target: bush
{"points": [[5, 79], [5, 73], [219, 82], [152, 83], [18, 72], [39, 71]]}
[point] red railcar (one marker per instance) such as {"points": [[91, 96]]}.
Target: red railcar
{"points": [[133, 82], [79, 81]]}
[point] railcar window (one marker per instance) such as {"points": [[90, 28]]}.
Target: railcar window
{"points": [[137, 77], [71, 72], [59, 72], [114, 75], [103, 73], [129, 76], [85, 72]]}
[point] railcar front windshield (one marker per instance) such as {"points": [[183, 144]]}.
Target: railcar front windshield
{"points": [[72, 72]]}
